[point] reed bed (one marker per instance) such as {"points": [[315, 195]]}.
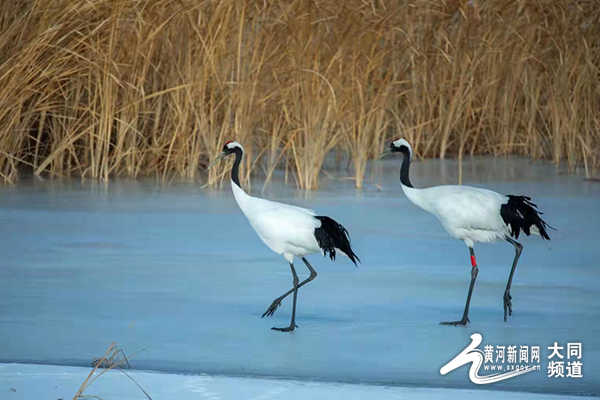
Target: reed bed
{"points": [[107, 88]]}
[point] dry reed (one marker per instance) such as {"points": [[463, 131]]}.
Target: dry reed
{"points": [[113, 359], [132, 87]]}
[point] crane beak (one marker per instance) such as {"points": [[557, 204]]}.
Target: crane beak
{"points": [[385, 153], [212, 164]]}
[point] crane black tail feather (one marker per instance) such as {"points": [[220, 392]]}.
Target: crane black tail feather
{"points": [[521, 214], [331, 235]]}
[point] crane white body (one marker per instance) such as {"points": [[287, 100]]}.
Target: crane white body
{"points": [[287, 230], [467, 213]]}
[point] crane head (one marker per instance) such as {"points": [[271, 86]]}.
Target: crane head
{"points": [[399, 146], [229, 148]]}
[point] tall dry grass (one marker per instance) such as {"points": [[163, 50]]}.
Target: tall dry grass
{"points": [[131, 87]]}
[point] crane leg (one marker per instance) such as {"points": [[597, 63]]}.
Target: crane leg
{"points": [[474, 272], [507, 297], [293, 321], [277, 302]]}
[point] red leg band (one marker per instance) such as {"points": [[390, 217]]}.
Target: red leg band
{"points": [[473, 262]]}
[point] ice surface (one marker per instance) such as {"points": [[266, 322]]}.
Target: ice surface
{"points": [[26, 382], [177, 270]]}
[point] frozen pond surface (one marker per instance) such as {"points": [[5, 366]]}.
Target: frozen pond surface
{"points": [[177, 270]]}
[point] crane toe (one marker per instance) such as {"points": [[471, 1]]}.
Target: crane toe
{"points": [[272, 308], [286, 329], [462, 322]]}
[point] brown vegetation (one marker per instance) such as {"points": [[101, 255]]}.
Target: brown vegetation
{"points": [[114, 359], [101, 88]]}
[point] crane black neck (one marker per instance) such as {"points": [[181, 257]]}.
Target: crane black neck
{"points": [[404, 178], [235, 171]]}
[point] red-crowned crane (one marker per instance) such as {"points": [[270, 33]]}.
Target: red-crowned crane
{"points": [[288, 230], [474, 215]]}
